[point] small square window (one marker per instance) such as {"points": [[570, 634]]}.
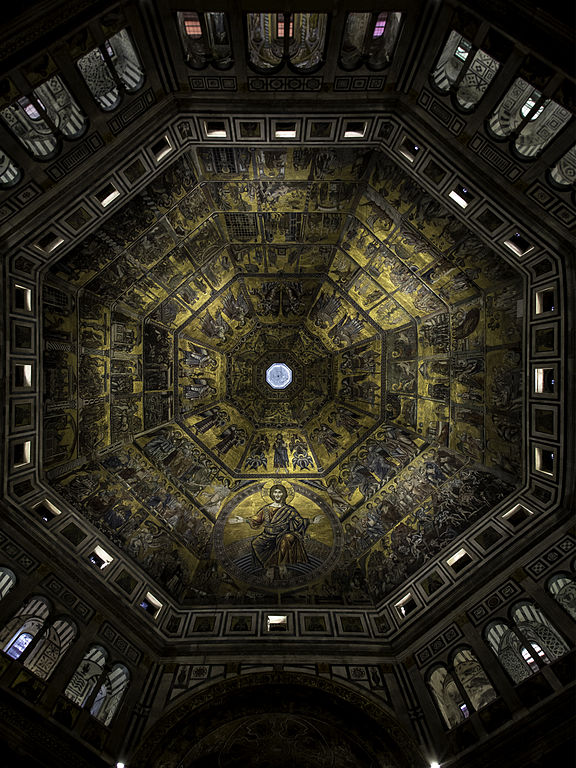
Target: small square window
{"points": [[151, 605], [100, 558], [544, 460], [461, 195], [517, 515], [22, 453], [22, 298], [409, 149], [161, 148], [545, 301], [107, 195], [22, 375], [215, 129], [406, 605], [49, 242], [459, 561], [355, 129], [46, 510], [544, 381], [519, 244], [285, 131], [276, 623]]}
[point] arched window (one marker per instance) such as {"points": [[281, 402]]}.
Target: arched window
{"points": [[110, 694], [51, 648], [508, 648], [7, 581], [61, 108], [24, 626], [474, 680], [124, 59], [10, 174], [95, 70], [450, 701], [464, 71], [23, 118], [370, 39], [206, 39], [296, 38], [563, 173], [535, 627], [39, 119], [87, 674], [112, 68], [537, 120]]}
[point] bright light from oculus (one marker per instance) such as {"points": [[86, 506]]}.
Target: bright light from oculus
{"points": [[279, 375]]}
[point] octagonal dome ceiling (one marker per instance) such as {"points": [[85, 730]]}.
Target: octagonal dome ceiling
{"points": [[401, 425]]}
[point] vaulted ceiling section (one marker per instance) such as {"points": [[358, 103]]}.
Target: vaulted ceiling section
{"points": [[402, 424]]}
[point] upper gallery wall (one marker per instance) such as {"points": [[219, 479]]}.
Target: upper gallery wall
{"points": [[403, 422], [387, 215]]}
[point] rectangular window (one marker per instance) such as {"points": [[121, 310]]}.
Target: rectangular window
{"points": [[355, 130], [47, 510], [49, 242], [461, 195], [22, 375], [151, 605], [517, 515], [107, 195], [380, 25], [406, 605], [463, 49], [519, 244], [22, 298], [22, 453], [161, 148], [545, 301], [544, 381], [285, 131], [215, 129], [276, 623], [544, 460], [409, 149], [192, 25], [459, 561], [281, 27], [100, 558]]}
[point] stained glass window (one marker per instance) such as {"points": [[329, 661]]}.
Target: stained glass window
{"points": [[205, 39], [369, 39], [269, 47]]}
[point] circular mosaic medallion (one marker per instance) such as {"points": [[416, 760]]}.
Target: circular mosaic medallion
{"points": [[279, 375], [277, 535]]}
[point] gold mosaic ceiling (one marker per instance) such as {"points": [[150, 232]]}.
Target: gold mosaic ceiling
{"points": [[401, 426]]}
